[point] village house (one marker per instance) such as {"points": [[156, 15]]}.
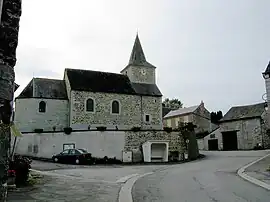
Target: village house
{"points": [[198, 115], [243, 127], [87, 100]]}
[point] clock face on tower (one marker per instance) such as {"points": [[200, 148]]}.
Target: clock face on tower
{"points": [[143, 72]]}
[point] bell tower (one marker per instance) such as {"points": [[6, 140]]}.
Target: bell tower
{"points": [[138, 69]]}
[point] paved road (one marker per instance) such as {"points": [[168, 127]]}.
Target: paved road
{"points": [[213, 179]]}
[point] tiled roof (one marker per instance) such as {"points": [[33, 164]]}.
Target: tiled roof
{"points": [[96, 81], [181, 111], [45, 88], [244, 112]]}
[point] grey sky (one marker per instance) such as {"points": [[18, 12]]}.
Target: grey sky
{"points": [[210, 50]]}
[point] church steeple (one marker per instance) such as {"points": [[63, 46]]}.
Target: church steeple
{"points": [[137, 57]]}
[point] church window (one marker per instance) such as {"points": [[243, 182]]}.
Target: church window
{"points": [[42, 106], [90, 105], [115, 107]]}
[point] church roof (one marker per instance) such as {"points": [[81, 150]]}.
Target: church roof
{"points": [[137, 57], [45, 88], [96, 81], [267, 71]]}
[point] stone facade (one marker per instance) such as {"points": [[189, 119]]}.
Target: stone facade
{"points": [[134, 140], [140, 74], [133, 109], [249, 132], [28, 117], [199, 117], [212, 136]]}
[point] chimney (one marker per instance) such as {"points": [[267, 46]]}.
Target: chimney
{"points": [[202, 104]]}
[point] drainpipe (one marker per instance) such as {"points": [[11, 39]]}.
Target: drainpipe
{"points": [[141, 113], [1, 6]]}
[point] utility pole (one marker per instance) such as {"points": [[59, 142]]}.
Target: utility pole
{"points": [[10, 12]]}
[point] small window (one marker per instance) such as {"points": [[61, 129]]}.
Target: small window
{"points": [[147, 118], [42, 107], [90, 105], [115, 107]]}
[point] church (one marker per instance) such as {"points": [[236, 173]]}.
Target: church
{"points": [[86, 99]]}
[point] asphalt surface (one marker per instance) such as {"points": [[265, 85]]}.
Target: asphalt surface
{"points": [[213, 179]]}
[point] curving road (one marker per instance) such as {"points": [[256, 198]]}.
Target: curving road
{"points": [[213, 179]]}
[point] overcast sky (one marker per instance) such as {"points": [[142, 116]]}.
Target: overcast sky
{"points": [[210, 50]]}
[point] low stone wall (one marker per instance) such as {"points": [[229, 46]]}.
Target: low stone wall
{"points": [[100, 144], [133, 140]]}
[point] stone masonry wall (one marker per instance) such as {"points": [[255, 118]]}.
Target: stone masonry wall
{"points": [[249, 133], [265, 122], [135, 75], [27, 115], [201, 118], [130, 111], [134, 140]]}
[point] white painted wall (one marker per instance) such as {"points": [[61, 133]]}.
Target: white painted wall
{"points": [[218, 135], [27, 115], [100, 144]]}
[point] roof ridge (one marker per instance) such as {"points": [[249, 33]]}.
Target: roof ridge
{"points": [[87, 70]]}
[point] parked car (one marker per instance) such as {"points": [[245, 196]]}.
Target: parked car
{"points": [[77, 156]]}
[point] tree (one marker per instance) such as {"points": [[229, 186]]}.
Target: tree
{"points": [[216, 116], [173, 103], [9, 30]]}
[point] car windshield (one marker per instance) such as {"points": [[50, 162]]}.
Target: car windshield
{"points": [[83, 151]]}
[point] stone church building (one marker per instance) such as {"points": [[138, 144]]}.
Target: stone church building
{"points": [[87, 99]]}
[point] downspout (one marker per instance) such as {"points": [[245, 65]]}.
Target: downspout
{"points": [[141, 112]]}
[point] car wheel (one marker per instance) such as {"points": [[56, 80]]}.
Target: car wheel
{"points": [[55, 160], [77, 161]]}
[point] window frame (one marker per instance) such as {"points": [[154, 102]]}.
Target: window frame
{"points": [[150, 118], [39, 106], [119, 107], [94, 105]]}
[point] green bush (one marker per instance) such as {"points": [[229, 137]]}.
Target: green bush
{"points": [[68, 130], [136, 128], [22, 166], [101, 128], [168, 129]]}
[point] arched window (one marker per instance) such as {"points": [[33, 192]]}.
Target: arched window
{"points": [[42, 106], [90, 105], [115, 107]]}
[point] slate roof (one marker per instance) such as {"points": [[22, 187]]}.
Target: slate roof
{"points": [[267, 70], [166, 110], [45, 88], [244, 112], [137, 57], [96, 81], [181, 111]]}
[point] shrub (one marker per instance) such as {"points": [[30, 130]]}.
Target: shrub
{"points": [[101, 128], [136, 128], [167, 129], [68, 130], [38, 130], [21, 165]]}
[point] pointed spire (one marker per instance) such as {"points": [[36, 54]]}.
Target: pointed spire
{"points": [[137, 56], [267, 71]]}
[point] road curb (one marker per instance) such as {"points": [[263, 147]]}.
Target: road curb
{"points": [[125, 194], [241, 173]]}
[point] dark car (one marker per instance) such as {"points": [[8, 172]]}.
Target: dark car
{"points": [[77, 156]]}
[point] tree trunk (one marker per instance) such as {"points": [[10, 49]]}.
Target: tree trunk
{"points": [[9, 28]]}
